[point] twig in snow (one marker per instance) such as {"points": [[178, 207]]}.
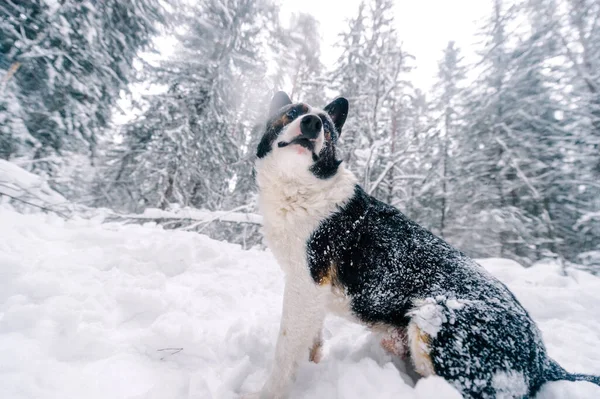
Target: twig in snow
{"points": [[174, 351]]}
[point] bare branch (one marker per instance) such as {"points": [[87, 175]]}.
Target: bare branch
{"points": [[35, 205]]}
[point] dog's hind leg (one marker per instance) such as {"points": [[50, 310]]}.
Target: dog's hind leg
{"points": [[301, 321], [395, 342]]}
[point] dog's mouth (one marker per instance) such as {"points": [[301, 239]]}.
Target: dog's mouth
{"points": [[302, 141]]}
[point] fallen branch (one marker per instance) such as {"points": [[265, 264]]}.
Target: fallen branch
{"points": [[173, 351], [219, 217], [197, 217]]}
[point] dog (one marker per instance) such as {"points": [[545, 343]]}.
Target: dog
{"points": [[344, 252]]}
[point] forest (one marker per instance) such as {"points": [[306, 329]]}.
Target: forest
{"points": [[501, 157]]}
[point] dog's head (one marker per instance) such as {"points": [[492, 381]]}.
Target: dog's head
{"points": [[300, 140]]}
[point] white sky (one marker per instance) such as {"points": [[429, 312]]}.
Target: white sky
{"points": [[424, 26]]}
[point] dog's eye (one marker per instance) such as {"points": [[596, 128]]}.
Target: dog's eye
{"points": [[292, 113]]}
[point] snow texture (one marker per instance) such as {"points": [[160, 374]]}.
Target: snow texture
{"points": [[429, 315], [111, 311], [509, 384]]}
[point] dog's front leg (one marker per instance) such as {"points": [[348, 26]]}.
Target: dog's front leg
{"points": [[301, 321]]}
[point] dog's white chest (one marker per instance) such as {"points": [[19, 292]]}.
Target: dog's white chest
{"points": [[338, 303], [287, 239]]}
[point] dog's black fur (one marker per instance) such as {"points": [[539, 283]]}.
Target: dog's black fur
{"points": [[388, 267], [385, 262]]}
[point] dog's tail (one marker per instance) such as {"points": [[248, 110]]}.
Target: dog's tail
{"points": [[555, 372]]}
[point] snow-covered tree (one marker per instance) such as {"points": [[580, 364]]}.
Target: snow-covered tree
{"points": [[448, 114], [15, 139], [371, 73], [190, 147], [516, 154], [64, 64], [573, 194], [298, 55]]}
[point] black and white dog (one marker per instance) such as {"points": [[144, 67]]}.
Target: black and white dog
{"points": [[345, 252]]}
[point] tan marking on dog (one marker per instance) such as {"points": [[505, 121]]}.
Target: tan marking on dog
{"points": [[420, 348], [330, 276], [281, 122], [284, 119], [325, 280]]}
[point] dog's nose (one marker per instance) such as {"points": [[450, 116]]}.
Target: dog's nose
{"points": [[310, 126]]}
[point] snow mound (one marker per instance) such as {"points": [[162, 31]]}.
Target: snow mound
{"points": [[19, 183], [127, 311]]}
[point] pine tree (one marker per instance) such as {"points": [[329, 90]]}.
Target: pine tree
{"points": [[298, 57], [571, 34], [448, 116], [68, 61], [15, 139], [190, 147], [513, 144], [370, 74]]}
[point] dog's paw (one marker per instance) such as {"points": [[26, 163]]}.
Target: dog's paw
{"points": [[316, 352]]}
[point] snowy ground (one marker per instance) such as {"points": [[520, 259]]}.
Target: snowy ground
{"points": [[108, 311]]}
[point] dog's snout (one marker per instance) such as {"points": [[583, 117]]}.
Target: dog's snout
{"points": [[310, 126]]}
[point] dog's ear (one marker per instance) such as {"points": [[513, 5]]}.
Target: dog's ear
{"points": [[338, 111], [280, 99]]}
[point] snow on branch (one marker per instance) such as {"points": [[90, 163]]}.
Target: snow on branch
{"points": [[187, 215], [389, 166], [586, 219]]}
